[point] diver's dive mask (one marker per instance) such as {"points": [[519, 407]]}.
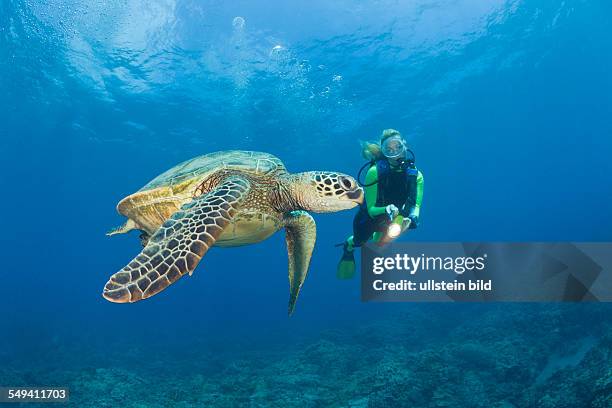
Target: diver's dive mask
{"points": [[394, 148]]}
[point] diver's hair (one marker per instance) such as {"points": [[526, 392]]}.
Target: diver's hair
{"points": [[387, 133], [371, 150]]}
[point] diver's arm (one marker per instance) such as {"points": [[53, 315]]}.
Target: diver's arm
{"points": [[420, 182], [371, 193]]}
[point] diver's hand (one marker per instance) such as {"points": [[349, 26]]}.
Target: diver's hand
{"points": [[411, 215], [414, 221], [391, 211], [406, 224]]}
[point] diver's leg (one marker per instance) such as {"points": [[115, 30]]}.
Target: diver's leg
{"points": [[350, 243], [362, 231], [363, 228]]}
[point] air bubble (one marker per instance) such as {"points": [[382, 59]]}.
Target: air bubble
{"points": [[238, 23], [277, 51]]}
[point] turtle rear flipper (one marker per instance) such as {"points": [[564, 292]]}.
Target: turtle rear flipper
{"points": [[300, 234], [179, 244]]}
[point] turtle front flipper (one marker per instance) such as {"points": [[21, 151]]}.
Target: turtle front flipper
{"points": [[179, 244], [301, 234]]}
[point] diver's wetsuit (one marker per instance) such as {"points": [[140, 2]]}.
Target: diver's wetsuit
{"points": [[403, 188]]}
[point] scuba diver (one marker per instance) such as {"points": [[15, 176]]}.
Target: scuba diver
{"points": [[393, 195]]}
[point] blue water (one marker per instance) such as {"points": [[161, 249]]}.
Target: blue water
{"points": [[507, 105]]}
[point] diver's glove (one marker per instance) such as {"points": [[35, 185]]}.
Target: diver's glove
{"points": [[391, 211]]}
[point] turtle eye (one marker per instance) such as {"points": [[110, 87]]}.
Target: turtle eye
{"points": [[346, 183]]}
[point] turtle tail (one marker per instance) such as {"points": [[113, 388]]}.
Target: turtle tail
{"points": [[122, 229]]}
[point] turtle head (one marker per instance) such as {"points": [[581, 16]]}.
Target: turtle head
{"points": [[326, 191]]}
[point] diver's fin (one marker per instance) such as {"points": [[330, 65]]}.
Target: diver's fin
{"points": [[346, 266], [122, 229], [179, 244], [300, 234]]}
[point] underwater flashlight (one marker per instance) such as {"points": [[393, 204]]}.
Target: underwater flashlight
{"points": [[394, 230]]}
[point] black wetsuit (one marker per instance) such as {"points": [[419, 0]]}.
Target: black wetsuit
{"points": [[393, 187]]}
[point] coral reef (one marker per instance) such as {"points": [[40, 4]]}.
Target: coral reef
{"points": [[503, 356]]}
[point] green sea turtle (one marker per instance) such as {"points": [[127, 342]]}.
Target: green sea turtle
{"points": [[227, 198]]}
